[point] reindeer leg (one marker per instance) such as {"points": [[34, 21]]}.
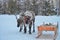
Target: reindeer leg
{"points": [[30, 30], [30, 25], [21, 27], [33, 25], [33, 28], [25, 28], [18, 22]]}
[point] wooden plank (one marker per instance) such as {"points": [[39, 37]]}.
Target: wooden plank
{"points": [[46, 37]]}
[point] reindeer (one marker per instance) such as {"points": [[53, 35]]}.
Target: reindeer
{"points": [[29, 18], [20, 22], [26, 18]]}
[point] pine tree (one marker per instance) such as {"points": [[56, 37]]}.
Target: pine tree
{"points": [[48, 9], [12, 6], [35, 7], [31, 5], [0, 5], [4, 7]]}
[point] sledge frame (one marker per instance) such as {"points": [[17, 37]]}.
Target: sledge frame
{"points": [[51, 27]]}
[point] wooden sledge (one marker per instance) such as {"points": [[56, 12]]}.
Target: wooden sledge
{"points": [[47, 27]]}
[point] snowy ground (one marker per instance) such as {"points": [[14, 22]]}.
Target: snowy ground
{"points": [[9, 31]]}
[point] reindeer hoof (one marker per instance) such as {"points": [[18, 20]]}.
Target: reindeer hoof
{"points": [[24, 31], [20, 30], [33, 30], [54, 39], [37, 37], [29, 32]]}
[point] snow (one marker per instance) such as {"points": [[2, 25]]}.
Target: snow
{"points": [[9, 30]]}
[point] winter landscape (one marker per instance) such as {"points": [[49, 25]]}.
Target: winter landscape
{"points": [[10, 31], [40, 11]]}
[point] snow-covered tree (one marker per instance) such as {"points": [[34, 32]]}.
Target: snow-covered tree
{"points": [[12, 6], [0, 4], [48, 9], [34, 6], [31, 5]]}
